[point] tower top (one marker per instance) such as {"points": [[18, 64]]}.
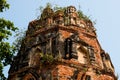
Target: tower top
{"points": [[70, 9], [61, 45]]}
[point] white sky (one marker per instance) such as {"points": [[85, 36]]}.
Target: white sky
{"points": [[106, 13]]}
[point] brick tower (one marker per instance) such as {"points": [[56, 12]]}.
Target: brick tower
{"points": [[61, 46]]}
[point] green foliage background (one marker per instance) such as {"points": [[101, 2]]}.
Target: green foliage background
{"points": [[6, 50]]}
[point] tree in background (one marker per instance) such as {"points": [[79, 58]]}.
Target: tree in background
{"points": [[6, 29]]}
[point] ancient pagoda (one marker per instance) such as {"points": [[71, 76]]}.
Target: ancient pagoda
{"points": [[61, 45]]}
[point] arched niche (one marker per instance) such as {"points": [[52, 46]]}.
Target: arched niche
{"points": [[59, 17], [107, 62], [103, 59], [70, 21], [68, 48], [104, 77], [81, 76], [82, 54], [71, 16], [34, 57], [41, 38], [91, 54], [73, 20], [31, 75], [82, 24]]}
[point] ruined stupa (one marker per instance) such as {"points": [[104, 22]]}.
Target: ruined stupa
{"points": [[61, 45]]}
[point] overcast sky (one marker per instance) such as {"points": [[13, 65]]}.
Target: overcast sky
{"points": [[106, 13]]}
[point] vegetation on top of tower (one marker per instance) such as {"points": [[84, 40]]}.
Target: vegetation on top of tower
{"points": [[48, 11], [83, 16]]}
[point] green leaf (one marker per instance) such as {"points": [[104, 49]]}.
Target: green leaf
{"points": [[3, 5], [6, 50]]}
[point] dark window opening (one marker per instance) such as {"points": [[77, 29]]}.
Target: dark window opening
{"points": [[39, 40], [88, 77], [43, 46], [82, 77], [91, 54], [68, 48], [54, 51], [75, 21], [31, 79], [103, 56]]}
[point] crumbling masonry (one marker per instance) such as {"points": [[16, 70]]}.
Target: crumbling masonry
{"points": [[61, 46]]}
